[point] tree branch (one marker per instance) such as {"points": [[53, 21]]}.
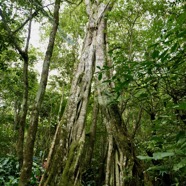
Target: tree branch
{"points": [[10, 33], [31, 17], [29, 33], [26, 21]]}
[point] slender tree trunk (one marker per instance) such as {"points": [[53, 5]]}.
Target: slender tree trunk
{"points": [[22, 121], [23, 114], [109, 160], [29, 145], [21, 117], [54, 141]]}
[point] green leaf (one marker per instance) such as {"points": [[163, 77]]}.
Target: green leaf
{"points": [[180, 165], [155, 54], [160, 168], [154, 45], [182, 106], [174, 48], [5, 161], [183, 145], [161, 155], [100, 76], [182, 34], [180, 135], [163, 55], [144, 157], [142, 94]]}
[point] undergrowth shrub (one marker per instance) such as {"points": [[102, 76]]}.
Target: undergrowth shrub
{"points": [[9, 172]]}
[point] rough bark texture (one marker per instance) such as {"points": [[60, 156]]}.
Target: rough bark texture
{"points": [[72, 124], [75, 113], [29, 145], [91, 136], [117, 133], [120, 144], [115, 160]]}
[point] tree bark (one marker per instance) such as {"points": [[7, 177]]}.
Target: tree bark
{"points": [[118, 138], [72, 125], [29, 145], [23, 114], [22, 121], [109, 160], [92, 134]]}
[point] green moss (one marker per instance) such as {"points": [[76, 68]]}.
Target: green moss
{"points": [[67, 177]]}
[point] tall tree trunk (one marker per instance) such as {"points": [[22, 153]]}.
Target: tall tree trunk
{"points": [[118, 138], [71, 133], [23, 113], [29, 145], [20, 119]]}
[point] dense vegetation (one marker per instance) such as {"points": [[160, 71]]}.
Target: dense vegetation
{"points": [[112, 113]]}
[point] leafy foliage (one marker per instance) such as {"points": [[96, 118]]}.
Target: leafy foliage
{"points": [[9, 172], [146, 68]]}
